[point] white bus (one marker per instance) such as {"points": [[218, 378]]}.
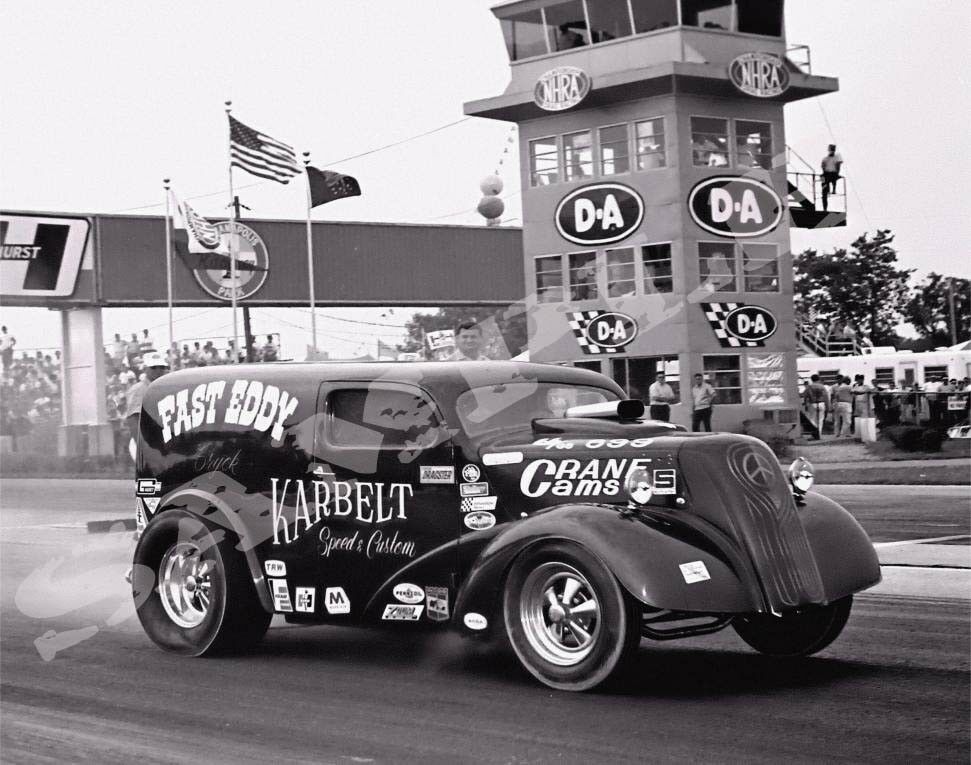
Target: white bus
{"points": [[889, 367]]}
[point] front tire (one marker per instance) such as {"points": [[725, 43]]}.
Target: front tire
{"points": [[567, 618], [801, 632], [193, 590]]}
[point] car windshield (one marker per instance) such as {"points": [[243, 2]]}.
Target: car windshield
{"points": [[515, 404]]}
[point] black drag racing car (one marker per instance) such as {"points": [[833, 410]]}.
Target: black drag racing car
{"points": [[491, 497]]}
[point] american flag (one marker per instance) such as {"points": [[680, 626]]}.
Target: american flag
{"points": [[261, 155]]}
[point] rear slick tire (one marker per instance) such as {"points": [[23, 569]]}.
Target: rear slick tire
{"points": [[801, 632], [568, 620], [193, 591]]}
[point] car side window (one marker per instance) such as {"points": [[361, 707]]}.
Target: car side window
{"points": [[380, 418]]}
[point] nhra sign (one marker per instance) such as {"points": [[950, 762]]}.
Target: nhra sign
{"points": [[41, 255], [561, 88], [599, 214], [735, 207], [762, 75]]}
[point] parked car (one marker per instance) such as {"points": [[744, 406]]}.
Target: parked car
{"points": [[497, 498]]}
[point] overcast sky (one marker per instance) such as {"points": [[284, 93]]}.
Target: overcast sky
{"points": [[101, 100]]}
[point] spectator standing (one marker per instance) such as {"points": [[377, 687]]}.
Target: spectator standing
{"points": [[702, 401], [7, 343], [931, 388], [468, 343], [817, 400], [118, 350], [863, 422], [146, 344], [831, 165], [842, 408], [131, 350], [660, 396], [269, 352], [155, 367]]}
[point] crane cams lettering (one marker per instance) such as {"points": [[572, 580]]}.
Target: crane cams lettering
{"points": [[250, 404]]}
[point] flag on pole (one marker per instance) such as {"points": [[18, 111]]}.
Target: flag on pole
{"points": [[326, 186], [198, 242], [260, 155]]}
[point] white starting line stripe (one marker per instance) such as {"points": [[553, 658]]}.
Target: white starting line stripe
{"points": [[929, 540]]}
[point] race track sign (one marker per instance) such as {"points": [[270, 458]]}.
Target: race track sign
{"points": [[561, 88], [40, 255], [735, 207], [602, 213], [602, 332], [762, 75]]}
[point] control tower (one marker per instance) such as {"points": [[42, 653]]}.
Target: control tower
{"points": [[656, 203]]}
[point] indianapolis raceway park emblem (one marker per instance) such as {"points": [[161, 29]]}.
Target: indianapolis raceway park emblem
{"points": [[213, 272]]}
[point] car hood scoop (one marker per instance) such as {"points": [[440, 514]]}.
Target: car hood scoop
{"points": [[599, 426]]}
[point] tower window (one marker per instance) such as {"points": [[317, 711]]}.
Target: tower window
{"points": [[609, 19], [709, 142], [650, 144], [707, 14], [760, 264], [549, 279], [544, 162], [621, 276], [657, 268], [724, 372], [567, 25], [614, 150], [583, 276], [760, 17], [578, 155], [525, 35], [753, 144], [651, 15], [716, 266]]}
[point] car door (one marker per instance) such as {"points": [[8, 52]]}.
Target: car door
{"points": [[385, 476]]}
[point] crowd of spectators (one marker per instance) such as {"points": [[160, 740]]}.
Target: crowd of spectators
{"points": [[30, 387]]}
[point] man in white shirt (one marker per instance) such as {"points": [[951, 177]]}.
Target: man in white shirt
{"points": [[468, 342], [831, 164], [7, 343], [660, 395], [702, 399]]}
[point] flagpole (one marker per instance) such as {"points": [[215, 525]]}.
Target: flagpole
{"points": [[310, 257], [168, 261], [232, 238]]}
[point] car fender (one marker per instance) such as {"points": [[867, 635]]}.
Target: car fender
{"points": [[216, 510], [644, 553], [844, 554]]}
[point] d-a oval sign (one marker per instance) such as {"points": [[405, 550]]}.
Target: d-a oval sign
{"points": [[611, 330], [599, 214], [735, 207], [751, 322]]}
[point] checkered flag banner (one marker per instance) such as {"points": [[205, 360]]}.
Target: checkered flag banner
{"points": [[467, 505], [579, 321], [716, 314]]}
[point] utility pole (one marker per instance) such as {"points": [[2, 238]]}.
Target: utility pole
{"points": [[950, 301], [247, 331]]}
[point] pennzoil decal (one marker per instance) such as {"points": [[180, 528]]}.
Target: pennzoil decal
{"points": [[248, 403]]}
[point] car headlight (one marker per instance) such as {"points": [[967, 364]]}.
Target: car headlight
{"points": [[639, 486], [801, 475]]}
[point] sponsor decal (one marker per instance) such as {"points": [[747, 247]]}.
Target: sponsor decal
{"points": [[41, 255], [335, 601], [408, 593], [753, 467], [474, 504], [561, 88], [600, 331], [436, 603], [473, 489], [735, 207], [395, 612], [762, 75], [362, 501], [553, 443], [695, 571], [140, 520], [575, 478], [471, 473], [665, 481], [377, 545], [306, 599], [737, 325], [147, 487], [602, 213], [502, 458], [249, 404], [475, 621], [275, 568], [281, 595], [211, 460], [594, 443], [152, 503], [252, 263], [479, 521], [436, 474]]}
